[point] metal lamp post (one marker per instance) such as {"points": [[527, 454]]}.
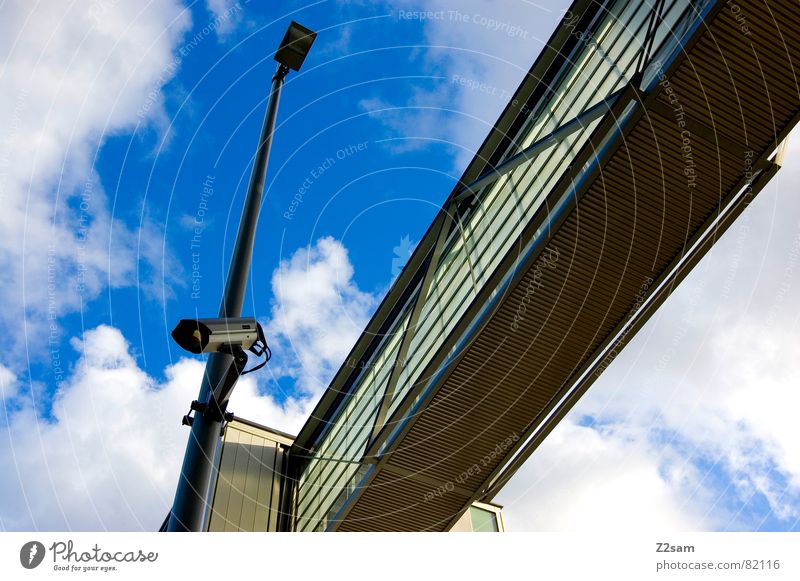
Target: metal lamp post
{"points": [[191, 497]]}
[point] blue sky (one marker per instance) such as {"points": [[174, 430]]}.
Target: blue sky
{"points": [[129, 131]]}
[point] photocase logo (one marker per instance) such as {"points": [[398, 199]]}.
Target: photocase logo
{"points": [[31, 554], [401, 255]]}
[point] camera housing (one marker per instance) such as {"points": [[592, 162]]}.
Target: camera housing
{"points": [[211, 335]]}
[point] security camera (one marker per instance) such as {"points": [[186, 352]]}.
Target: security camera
{"points": [[210, 335]]}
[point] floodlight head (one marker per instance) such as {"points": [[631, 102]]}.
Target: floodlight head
{"points": [[295, 46]]}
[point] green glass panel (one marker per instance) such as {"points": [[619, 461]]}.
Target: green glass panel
{"points": [[483, 521]]}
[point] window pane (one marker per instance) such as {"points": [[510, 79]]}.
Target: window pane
{"points": [[483, 521]]}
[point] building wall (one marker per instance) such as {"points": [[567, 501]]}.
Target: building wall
{"points": [[250, 486], [480, 518]]}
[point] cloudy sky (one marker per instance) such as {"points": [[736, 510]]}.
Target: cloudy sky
{"points": [[126, 133]]}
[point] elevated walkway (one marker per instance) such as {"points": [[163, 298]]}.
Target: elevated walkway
{"points": [[637, 138]]}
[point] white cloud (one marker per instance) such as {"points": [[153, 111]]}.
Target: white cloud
{"points": [[249, 402], [73, 74], [476, 52], [110, 457], [8, 384], [227, 16], [318, 314], [603, 480]]}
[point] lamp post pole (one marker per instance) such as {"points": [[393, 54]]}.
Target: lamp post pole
{"points": [[191, 497], [190, 506]]}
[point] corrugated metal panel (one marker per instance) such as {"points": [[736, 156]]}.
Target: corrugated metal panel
{"points": [[249, 486], [741, 84], [381, 510], [631, 224]]}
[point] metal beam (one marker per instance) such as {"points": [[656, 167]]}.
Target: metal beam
{"points": [[582, 121], [442, 230], [652, 27]]}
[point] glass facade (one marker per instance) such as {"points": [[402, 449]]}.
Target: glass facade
{"points": [[603, 61], [336, 464]]}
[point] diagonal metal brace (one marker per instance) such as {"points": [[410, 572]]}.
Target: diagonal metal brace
{"points": [[443, 228], [529, 153]]}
